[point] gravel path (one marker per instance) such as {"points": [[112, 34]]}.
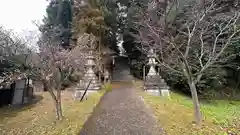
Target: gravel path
{"points": [[121, 112]]}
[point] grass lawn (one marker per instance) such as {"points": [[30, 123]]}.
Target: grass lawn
{"points": [[175, 115], [39, 118]]}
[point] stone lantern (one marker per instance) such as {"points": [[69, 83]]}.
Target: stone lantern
{"points": [[153, 83], [88, 76]]}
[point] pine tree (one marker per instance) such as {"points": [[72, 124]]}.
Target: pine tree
{"points": [[57, 23]]}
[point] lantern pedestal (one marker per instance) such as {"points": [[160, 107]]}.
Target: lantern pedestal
{"points": [[153, 83], [153, 91], [165, 93]]}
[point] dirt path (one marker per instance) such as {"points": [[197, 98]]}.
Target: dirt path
{"points": [[121, 112]]}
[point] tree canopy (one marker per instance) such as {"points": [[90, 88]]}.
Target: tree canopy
{"points": [[58, 21]]}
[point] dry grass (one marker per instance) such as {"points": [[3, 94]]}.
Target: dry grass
{"points": [[39, 118], [176, 115]]}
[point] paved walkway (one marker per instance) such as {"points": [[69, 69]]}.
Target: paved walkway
{"points": [[121, 112], [121, 71]]}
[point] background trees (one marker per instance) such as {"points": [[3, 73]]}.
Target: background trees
{"points": [[59, 19], [13, 55], [196, 44]]}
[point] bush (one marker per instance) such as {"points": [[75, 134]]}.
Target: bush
{"points": [[213, 79], [72, 79], [137, 70]]}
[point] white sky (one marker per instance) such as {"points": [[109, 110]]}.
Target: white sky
{"points": [[19, 14]]}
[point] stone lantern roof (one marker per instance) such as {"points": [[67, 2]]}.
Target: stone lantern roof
{"points": [[151, 54]]}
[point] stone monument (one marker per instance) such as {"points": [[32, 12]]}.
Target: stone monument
{"points": [[153, 83], [89, 75]]}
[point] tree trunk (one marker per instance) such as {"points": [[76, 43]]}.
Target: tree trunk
{"points": [[59, 105], [192, 85], [59, 113], [196, 105]]}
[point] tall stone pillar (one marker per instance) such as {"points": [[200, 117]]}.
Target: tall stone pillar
{"points": [[153, 83], [89, 75]]}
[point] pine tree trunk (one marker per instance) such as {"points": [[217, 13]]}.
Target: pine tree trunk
{"points": [[197, 111]]}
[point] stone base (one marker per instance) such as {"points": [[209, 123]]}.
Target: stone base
{"points": [[79, 93], [165, 93], [25, 100], [158, 92], [95, 88], [154, 92]]}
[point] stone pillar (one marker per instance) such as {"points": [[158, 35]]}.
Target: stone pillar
{"points": [[153, 82], [88, 76]]}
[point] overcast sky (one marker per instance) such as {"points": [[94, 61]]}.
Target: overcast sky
{"points": [[19, 14]]}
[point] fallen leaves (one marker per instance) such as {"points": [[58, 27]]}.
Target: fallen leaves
{"points": [[40, 119]]}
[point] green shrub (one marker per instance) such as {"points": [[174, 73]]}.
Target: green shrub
{"points": [[137, 70], [212, 79]]}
